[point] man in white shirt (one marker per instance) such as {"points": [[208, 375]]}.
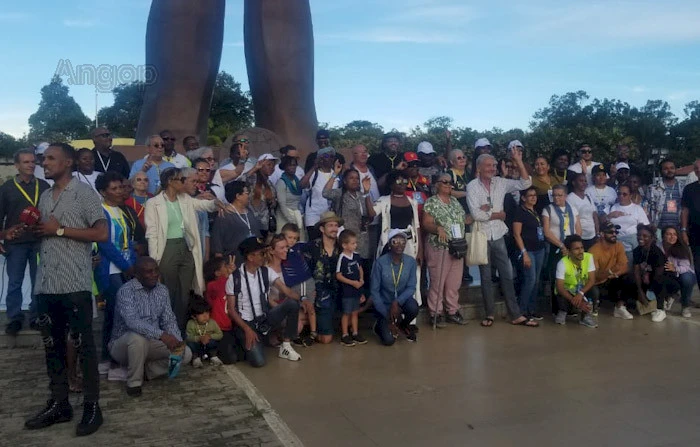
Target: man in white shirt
{"points": [[247, 291], [289, 151], [485, 195], [585, 163], [170, 154], [235, 169], [314, 181]]}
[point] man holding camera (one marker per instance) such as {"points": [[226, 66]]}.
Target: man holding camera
{"points": [[247, 291]]}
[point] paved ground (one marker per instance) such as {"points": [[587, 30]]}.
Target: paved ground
{"points": [[625, 383], [199, 408]]}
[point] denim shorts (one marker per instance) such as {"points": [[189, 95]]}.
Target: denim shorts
{"points": [[350, 304]]}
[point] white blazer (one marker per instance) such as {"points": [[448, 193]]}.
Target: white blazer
{"points": [[156, 218]]}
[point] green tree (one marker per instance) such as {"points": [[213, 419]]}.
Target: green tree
{"points": [[356, 132], [59, 117], [231, 108], [122, 117], [685, 136], [9, 144]]}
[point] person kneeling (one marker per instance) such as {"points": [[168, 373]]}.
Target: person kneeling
{"points": [[145, 335], [393, 290], [247, 292], [575, 279], [203, 334]]}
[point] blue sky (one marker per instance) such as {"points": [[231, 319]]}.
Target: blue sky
{"points": [[396, 62]]}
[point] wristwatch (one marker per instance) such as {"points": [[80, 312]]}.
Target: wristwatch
{"points": [[60, 231], [303, 298]]}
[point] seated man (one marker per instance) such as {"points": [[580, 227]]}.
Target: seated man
{"points": [[393, 290], [145, 332], [247, 291], [611, 270], [575, 282]]}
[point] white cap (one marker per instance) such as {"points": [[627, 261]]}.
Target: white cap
{"points": [[425, 147], [41, 148], [482, 142], [267, 156], [622, 165], [396, 232], [515, 143]]}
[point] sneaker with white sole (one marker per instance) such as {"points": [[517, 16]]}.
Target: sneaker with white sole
{"points": [[118, 374], [588, 321], [197, 363], [658, 315], [287, 352], [215, 361], [560, 318], [103, 367], [622, 312], [685, 313], [668, 304]]}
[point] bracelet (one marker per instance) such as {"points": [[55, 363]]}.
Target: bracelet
{"points": [[684, 229], [523, 251]]}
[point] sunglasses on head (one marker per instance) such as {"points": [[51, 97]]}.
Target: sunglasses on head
{"points": [[242, 141]]}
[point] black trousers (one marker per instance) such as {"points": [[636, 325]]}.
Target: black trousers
{"points": [[57, 316]]}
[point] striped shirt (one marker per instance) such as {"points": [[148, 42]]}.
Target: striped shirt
{"points": [[144, 312], [65, 265], [477, 196]]}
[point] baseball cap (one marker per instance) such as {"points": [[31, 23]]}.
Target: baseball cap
{"points": [[598, 168], [425, 147], [396, 232], [609, 226], [251, 245], [267, 156], [410, 157], [326, 150], [41, 148], [514, 143], [323, 133], [622, 165], [482, 142]]}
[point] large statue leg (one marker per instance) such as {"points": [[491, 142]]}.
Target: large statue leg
{"points": [[183, 43], [279, 49]]}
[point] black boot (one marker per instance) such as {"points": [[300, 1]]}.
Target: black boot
{"points": [[54, 413], [91, 421]]}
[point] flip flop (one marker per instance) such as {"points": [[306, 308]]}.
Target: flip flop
{"points": [[487, 322], [529, 322]]}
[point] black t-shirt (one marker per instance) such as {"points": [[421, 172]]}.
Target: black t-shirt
{"points": [[382, 164], [115, 162], [14, 198], [350, 269], [691, 200], [531, 222], [654, 258]]}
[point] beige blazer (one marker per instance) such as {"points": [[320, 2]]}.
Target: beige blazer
{"points": [[156, 216]]}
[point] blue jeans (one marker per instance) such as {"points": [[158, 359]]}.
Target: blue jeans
{"points": [[16, 258], [687, 281], [289, 311], [530, 280], [409, 310], [110, 297]]}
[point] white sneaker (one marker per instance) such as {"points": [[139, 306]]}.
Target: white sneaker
{"points": [[216, 361], [622, 312], [287, 352], [118, 374], [668, 304], [103, 367], [560, 317], [197, 363], [658, 316], [685, 313]]}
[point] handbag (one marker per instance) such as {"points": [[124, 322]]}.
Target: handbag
{"points": [[477, 248], [271, 220], [457, 247]]}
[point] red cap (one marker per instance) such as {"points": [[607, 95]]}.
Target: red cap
{"points": [[410, 156], [30, 216]]}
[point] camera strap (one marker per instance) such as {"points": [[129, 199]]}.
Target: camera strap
{"points": [[263, 291]]}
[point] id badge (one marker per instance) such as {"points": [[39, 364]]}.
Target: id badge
{"points": [[601, 208], [549, 194], [418, 197], [671, 206], [540, 234]]}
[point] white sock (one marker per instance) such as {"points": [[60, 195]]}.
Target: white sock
{"points": [[286, 344]]}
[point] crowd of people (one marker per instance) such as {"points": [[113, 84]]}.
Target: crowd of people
{"points": [[195, 261]]}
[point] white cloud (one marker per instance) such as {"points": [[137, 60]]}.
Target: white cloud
{"points": [[79, 23]]}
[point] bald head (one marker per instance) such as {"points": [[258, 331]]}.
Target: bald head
{"points": [[102, 138], [147, 272]]}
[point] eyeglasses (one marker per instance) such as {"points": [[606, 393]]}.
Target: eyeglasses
{"points": [[203, 170], [168, 139], [158, 145], [104, 135], [242, 141], [586, 151], [461, 157], [398, 241], [142, 180], [401, 181]]}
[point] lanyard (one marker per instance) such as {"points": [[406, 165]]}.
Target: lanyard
{"points": [[395, 278], [26, 196], [246, 221], [119, 220], [534, 214], [105, 167]]}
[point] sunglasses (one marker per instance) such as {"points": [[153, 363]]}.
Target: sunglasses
{"points": [[444, 182], [168, 139], [398, 241], [104, 135], [623, 194], [142, 180], [327, 156], [611, 232], [586, 151], [461, 157], [203, 170], [401, 181], [158, 145], [242, 141]]}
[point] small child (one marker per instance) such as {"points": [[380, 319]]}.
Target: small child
{"points": [[216, 273], [203, 334], [349, 274], [296, 273]]}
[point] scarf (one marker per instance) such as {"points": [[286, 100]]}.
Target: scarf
{"points": [[560, 214], [292, 184]]}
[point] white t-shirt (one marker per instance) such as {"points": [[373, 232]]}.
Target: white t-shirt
{"points": [[178, 160], [634, 215], [561, 270], [602, 198], [585, 209], [319, 204], [218, 186], [278, 174], [576, 167], [554, 220], [88, 179], [242, 300]]}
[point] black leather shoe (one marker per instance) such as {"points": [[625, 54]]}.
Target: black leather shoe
{"points": [[54, 413], [13, 327], [133, 391], [91, 421]]}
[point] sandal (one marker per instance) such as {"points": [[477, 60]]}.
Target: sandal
{"points": [[487, 322], [529, 322]]}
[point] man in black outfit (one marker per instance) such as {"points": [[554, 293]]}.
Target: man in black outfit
{"points": [[387, 160], [690, 219], [106, 158], [323, 139]]}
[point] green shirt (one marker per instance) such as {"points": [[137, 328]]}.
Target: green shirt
{"points": [[445, 215], [175, 226]]}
